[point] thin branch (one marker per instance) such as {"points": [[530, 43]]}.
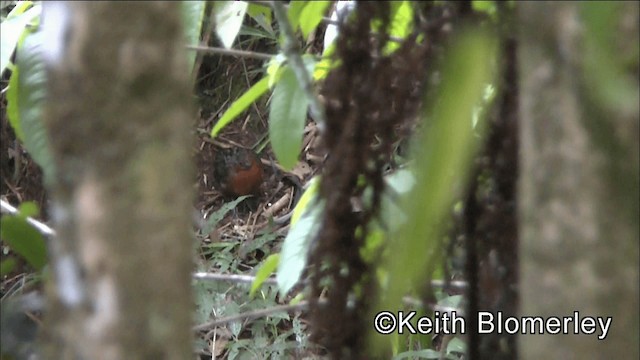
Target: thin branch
{"points": [[232, 52], [230, 278], [290, 50], [44, 229], [303, 306], [208, 276], [250, 315]]}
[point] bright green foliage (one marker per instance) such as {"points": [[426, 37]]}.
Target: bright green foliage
{"points": [[401, 23], [485, 6], [23, 238], [305, 224], [604, 68], [442, 159], [268, 266], [241, 104], [7, 266], [217, 216], [262, 15], [307, 198], [312, 15], [192, 16], [13, 110], [26, 98], [12, 29], [287, 117], [295, 9], [295, 248], [229, 16]]}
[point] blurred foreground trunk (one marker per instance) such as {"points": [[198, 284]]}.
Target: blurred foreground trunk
{"points": [[118, 119], [579, 179]]}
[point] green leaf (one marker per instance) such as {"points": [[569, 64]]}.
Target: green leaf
{"points": [[456, 346], [240, 105], [488, 7], [229, 16], [28, 208], [7, 266], [401, 23], [30, 101], [442, 157], [268, 266], [295, 247], [326, 64], [24, 240], [287, 116], [274, 69], [295, 9], [307, 198], [255, 32], [605, 74], [12, 29], [13, 110], [192, 18], [219, 214], [262, 15], [312, 15]]}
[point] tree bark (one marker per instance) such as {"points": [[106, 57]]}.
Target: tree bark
{"points": [[118, 119], [578, 189]]}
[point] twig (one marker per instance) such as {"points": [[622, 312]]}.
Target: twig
{"points": [[250, 315], [232, 52], [297, 65], [229, 277], [302, 306], [44, 229], [272, 281]]}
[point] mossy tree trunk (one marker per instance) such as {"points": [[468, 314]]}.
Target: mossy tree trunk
{"points": [[579, 179], [118, 120]]}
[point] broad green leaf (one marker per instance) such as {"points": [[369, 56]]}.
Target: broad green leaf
{"points": [[606, 76], [13, 110], [274, 70], [456, 346], [12, 28], [442, 158], [268, 266], [307, 198], [229, 16], [7, 266], [312, 15], [192, 19], [295, 247], [30, 101], [24, 240], [262, 15], [287, 116], [295, 9], [28, 208], [326, 64], [401, 23], [240, 105]]}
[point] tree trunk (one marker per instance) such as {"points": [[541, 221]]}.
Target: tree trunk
{"points": [[118, 119], [578, 186]]}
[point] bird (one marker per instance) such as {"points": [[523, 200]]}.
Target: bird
{"points": [[237, 171]]}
